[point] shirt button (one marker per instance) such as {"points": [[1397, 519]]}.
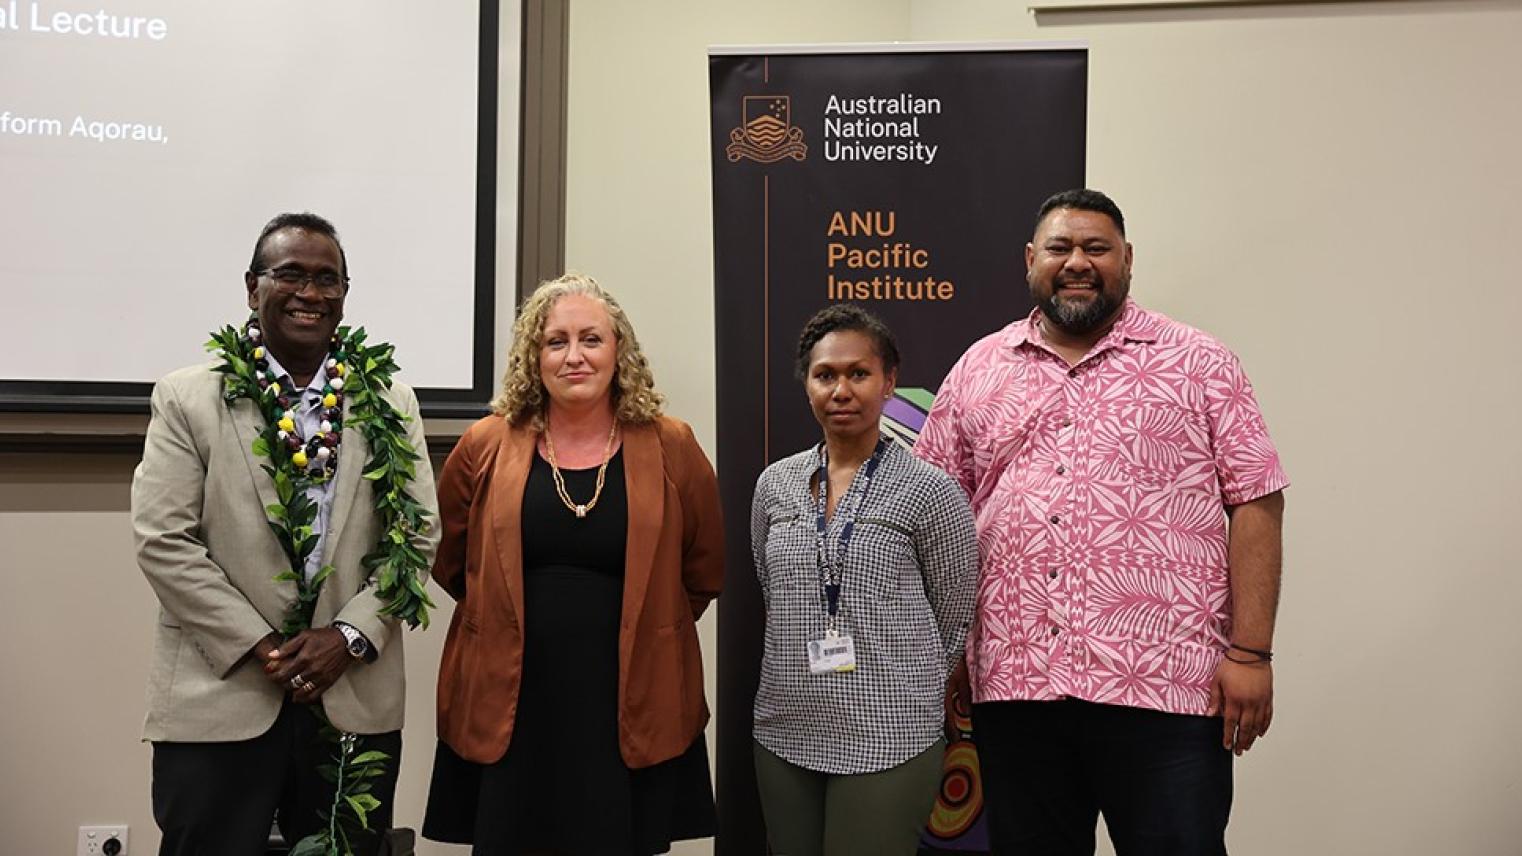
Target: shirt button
{"points": [[1067, 423], [1072, 373], [1055, 631], [1061, 469], [1053, 573], [1055, 519]]}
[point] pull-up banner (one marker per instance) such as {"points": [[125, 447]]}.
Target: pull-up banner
{"points": [[902, 178]]}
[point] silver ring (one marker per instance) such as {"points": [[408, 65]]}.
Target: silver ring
{"points": [[308, 687], [296, 682]]}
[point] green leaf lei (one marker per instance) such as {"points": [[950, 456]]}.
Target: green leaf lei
{"points": [[396, 567]]}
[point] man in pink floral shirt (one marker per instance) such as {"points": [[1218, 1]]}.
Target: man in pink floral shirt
{"points": [[1120, 653]]}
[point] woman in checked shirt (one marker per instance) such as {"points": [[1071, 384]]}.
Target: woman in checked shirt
{"points": [[868, 562]]}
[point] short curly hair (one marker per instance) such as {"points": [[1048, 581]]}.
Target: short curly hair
{"points": [[845, 316], [524, 400]]}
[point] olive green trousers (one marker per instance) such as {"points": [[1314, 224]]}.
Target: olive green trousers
{"points": [[871, 814]]}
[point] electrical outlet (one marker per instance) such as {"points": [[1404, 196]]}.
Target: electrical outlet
{"points": [[102, 841]]}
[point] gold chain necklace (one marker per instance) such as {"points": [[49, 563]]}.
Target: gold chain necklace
{"points": [[602, 472]]}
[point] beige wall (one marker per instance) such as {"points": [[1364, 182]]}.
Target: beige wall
{"points": [[1327, 188]]}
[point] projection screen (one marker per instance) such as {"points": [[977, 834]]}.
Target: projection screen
{"points": [[144, 143]]}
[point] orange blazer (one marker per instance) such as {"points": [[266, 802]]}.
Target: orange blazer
{"points": [[673, 567]]}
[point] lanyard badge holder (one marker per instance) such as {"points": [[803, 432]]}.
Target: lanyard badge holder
{"points": [[835, 651]]}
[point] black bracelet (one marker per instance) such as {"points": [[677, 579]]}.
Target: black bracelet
{"points": [[1267, 655], [1246, 662]]}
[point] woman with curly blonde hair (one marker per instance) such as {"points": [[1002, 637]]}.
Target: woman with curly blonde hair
{"points": [[581, 541], [523, 392]]}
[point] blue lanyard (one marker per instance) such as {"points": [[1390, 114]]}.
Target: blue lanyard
{"points": [[830, 572]]}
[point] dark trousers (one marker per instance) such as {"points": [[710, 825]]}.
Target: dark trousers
{"points": [[1162, 780], [220, 798], [812, 814]]}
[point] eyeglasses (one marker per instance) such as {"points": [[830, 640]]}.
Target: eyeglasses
{"points": [[292, 280]]}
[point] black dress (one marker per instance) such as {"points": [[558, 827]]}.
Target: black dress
{"points": [[563, 786]]}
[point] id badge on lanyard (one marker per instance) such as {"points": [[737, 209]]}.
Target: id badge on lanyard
{"points": [[835, 651]]}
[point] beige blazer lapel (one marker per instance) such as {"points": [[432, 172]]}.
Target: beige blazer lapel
{"points": [[248, 423], [353, 455]]}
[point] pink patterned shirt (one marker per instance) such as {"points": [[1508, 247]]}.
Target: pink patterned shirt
{"points": [[1100, 492]]}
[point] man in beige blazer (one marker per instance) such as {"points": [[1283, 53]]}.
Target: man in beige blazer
{"points": [[233, 740]]}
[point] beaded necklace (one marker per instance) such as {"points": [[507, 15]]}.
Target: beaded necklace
{"points": [[359, 373]]}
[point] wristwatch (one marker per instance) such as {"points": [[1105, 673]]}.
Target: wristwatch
{"points": [[355, 641]]}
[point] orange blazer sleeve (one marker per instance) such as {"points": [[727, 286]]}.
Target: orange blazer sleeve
{"points": [[457, 489], [702, 523]]}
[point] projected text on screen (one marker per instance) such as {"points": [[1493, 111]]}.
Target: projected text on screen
{"points": [[144, 144]]}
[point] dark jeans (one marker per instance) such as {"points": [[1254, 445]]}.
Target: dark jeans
{"points": [[220, 798], [1162, 780]]}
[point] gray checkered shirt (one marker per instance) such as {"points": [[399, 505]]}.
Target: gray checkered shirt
{"points": [[909, 581]]}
